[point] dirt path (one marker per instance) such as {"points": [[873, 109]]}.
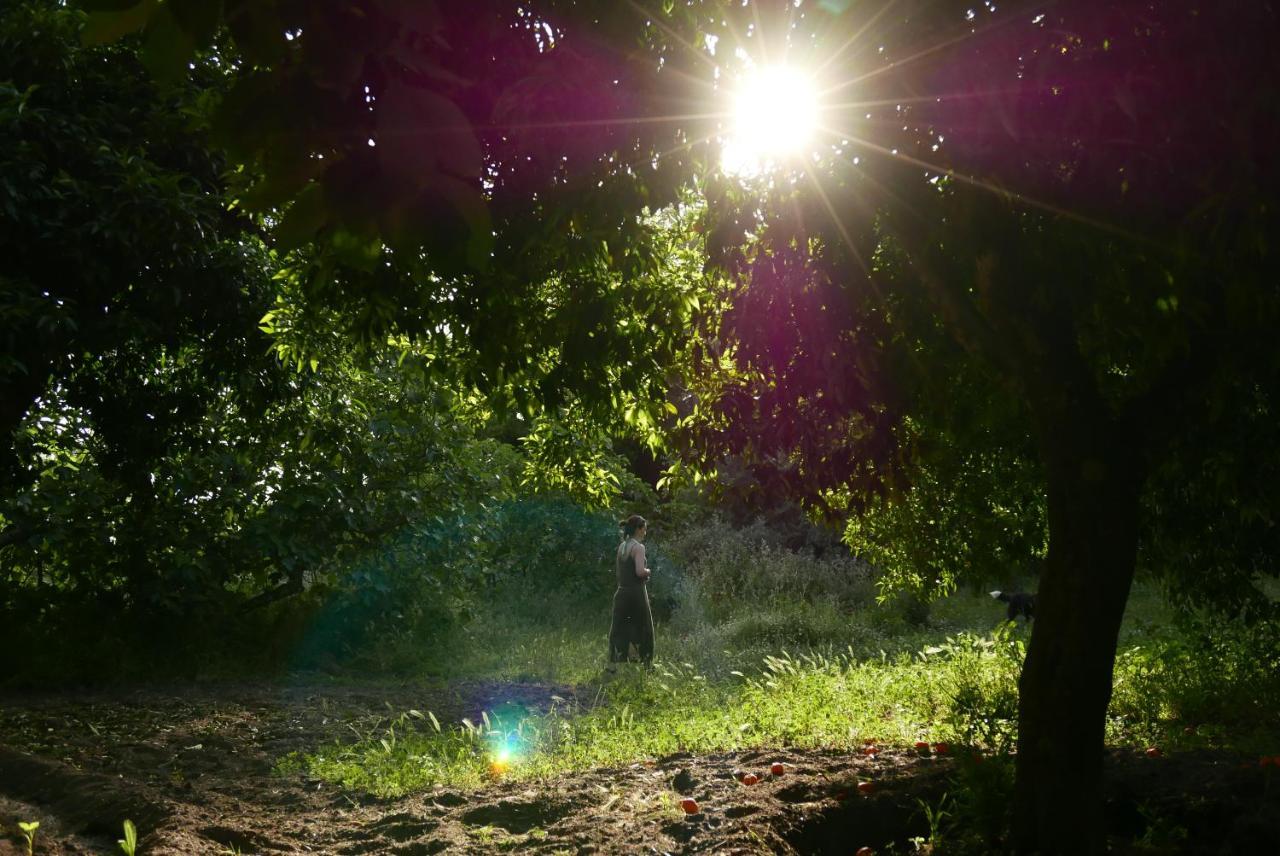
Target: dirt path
{"points": [[193, 767]]}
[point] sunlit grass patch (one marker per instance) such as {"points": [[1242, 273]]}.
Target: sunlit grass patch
{"points": [[733, 685], [808, 700]]}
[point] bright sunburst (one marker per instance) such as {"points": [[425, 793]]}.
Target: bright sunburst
{"points": [[775, 115]]}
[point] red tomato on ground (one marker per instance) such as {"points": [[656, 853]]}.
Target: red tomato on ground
{"points": [[922, 746], [865, 788], [777, 768], [690, 805], [865, 851], [750, 779], [942, 748], [1154, 752]]}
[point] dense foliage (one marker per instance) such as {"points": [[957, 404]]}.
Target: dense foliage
{"points": [[170, 460]]}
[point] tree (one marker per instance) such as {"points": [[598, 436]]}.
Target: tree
{"points": [[1064, 263], [121, 263], [469, 175]]}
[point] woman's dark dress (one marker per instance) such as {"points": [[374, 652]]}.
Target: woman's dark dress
{"points": [[632, 620]]}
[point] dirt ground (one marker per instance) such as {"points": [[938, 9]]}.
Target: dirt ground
{"points": [[193, 768]]}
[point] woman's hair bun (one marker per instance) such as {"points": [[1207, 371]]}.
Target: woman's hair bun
{"points": [[632, 524]]}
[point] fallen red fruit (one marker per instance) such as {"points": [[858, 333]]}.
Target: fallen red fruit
{"points": [[866, 787], [865, 851], [1154, 752], [750, 779], [922, 746], [689, 805], [777, 768], [942, 748], [870, 750]]}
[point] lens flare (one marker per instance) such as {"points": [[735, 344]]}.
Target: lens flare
{"points": [[501, 758]]}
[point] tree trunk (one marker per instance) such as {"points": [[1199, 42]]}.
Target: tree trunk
{"points": [[1066, 681]]}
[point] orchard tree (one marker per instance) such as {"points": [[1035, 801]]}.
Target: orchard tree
{"points": [[126, 288], [1037, 259]]}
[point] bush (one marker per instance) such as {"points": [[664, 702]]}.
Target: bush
{"points": [[1207, 669], [732, 567]]}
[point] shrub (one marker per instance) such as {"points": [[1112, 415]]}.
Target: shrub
{"points": [[751, 565], [1207, 669]]}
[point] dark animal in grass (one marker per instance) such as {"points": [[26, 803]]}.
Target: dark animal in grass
{"points": [[1020, 603]]}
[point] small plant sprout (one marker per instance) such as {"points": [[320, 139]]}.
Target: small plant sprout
{"points": [[29, 832], [129, 844], [936, 816]]}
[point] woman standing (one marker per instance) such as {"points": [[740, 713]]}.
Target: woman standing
{"points": [[632, 620]]}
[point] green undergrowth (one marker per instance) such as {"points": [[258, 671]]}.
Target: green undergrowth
{"points": [[1195, 683]]}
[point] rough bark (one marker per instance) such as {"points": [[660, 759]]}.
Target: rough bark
{"points": [[1066, 681]]}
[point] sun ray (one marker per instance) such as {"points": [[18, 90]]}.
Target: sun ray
{"points": [[764, 40], [673, 118], [839, 223], [653, 19], [844, 47], [929, 51], [974, 181], [829, 107]]}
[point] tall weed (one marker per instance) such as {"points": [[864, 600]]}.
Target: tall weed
{"points": [[733, 567]]}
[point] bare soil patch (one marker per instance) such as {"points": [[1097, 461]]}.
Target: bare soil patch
{"points": [[193, 767]]}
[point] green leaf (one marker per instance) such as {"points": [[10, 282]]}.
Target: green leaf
{"points": [[421, 16], [258, 31], [168, 48], [101, 28], [129, 844], [283, 178], [106, 5], [421, 134], [199, 19], [361, 252], [306, 216]]}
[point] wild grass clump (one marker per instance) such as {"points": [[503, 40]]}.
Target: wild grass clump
{"points": [[807, 700]]}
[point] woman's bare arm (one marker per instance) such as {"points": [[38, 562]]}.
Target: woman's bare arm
{"points": [[641, 571]]}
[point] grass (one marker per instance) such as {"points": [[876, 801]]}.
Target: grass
{"points": [[808, 659], [951, 681]]}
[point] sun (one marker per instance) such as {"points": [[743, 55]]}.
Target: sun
{"points": [[774, 118]]}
